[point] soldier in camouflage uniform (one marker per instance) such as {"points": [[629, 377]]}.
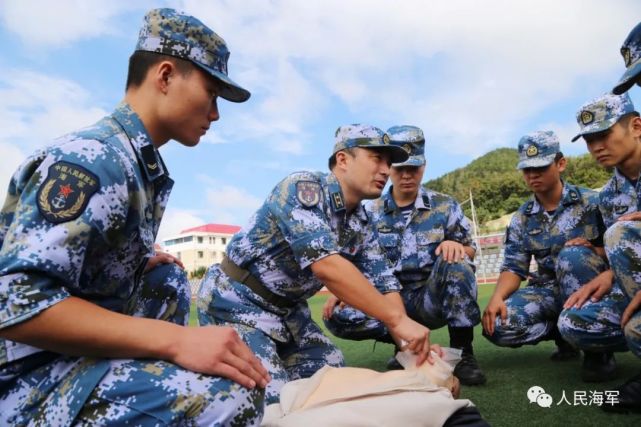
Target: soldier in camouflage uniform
{"points": [[560, 227], [77, 232], [611, 129], [428, 240], [311, 230]]}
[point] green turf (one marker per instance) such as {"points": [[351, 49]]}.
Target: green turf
{"points": [[510, 373]]}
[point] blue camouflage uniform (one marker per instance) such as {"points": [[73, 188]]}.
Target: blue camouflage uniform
{"points": [[435, 293], [302, 221], [80, 220], [532, 311], [596, 326]]}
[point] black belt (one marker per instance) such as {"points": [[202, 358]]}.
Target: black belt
{"points": [[246, 278]]}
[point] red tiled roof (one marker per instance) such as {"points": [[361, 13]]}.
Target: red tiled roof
{"points": [[213, 228]]}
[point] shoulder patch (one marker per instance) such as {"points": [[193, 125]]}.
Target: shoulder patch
{"points": [[65, 193], [308, 193]]}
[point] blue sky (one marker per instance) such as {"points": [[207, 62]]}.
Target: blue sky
{"points": [[474, 75]]}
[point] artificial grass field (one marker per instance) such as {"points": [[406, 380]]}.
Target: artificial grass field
{"points": [[510, 373]]}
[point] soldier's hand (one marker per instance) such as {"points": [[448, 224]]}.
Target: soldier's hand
{"points": [[632, 216], [580, 241], [162, 258], [413, 336], [593, 290], [452, 251], [495, 307], [217, 350], [328, 308], [632, 308]]}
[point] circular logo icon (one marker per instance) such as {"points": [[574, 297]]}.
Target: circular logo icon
{"points": [[407, 148], [532, 151], [587, 117], [386, 139]]}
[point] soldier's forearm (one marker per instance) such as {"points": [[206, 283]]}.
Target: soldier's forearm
{"points": [[80, 328], [507, 284], [349, 285]]}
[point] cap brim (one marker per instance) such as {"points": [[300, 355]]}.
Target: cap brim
{"points": [[604, 126], [397, 154], [231, 91], [628, 79], [411, 161], [538, 162]]}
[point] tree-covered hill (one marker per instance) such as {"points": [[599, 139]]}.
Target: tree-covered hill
{"points": [[498, 188]]}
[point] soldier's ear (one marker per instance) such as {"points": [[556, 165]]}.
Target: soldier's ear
{"points": [[634, 126], [162, 75]]}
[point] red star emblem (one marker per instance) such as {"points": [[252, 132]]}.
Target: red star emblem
{"points": [[65, 190]]}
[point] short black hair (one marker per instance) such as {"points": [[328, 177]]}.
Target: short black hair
{"points": [[332, 160], [558, 156], [625, 119], [141, 61]]}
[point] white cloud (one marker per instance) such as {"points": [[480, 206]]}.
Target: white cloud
{"points": [[176, 220], [43, 23], [35, 109], [228, 204], [469, 72]]}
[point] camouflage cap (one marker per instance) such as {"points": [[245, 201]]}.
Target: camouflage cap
{"points": [[410, 139], [538, 149], [602, 113], [173, 33], [366, 136], [631, 52]]}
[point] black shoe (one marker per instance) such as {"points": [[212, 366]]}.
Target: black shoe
{"points": [[598, 367], [468, 371], [629, 398], [564, 351], [393, 365]]}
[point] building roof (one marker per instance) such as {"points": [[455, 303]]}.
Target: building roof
{"points": [[213, 228]]}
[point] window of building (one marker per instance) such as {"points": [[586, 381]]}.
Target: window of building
{"points": [[200, 239], [224, 239], [200, 254]]}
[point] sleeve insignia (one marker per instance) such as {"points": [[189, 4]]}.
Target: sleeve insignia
{"points": [[65, 193], [308, 193]]}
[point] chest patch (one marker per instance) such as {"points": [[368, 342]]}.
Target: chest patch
{"points": [[65, 193], [308, 193]]}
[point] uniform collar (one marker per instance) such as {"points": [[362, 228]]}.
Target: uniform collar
{"points": [[337, 200], [148, 155], [620, 182], [422, 202], [569, 196]]}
